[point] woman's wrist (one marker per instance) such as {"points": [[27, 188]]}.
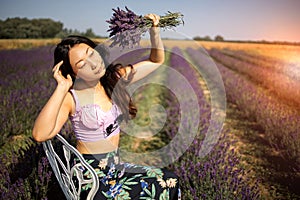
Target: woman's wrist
{"points": [[63, 88], [154, 30], [155, 37]]}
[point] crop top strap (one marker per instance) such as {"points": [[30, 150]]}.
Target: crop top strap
{"points": [[77, 104]]}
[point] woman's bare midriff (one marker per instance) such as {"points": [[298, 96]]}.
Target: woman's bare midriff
{"points": [[101, 146]]}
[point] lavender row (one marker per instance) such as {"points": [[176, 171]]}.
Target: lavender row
{"points": [[290, 69], [25, 177], [279, 84], [25, 85], [217, 175], [211, 75], [279, 120], [184, 68], [24, 89]]}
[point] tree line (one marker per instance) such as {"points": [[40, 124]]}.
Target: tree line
{"points": [[19, 28], [208, 38]]}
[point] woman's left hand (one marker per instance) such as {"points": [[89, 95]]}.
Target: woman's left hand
{"points": [[155, 18]]}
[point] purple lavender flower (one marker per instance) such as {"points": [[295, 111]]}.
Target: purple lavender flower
{"points": [[126, 28]]}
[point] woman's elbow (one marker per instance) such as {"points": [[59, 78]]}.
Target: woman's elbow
{"points": [[159, 60], [158, 57], [37, 136]]}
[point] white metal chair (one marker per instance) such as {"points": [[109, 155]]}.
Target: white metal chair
{"points": [[70, 178]]}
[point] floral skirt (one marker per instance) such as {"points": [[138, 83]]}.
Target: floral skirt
{"points": [[128, 181]]}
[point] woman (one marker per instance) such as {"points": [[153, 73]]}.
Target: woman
{"points": [[94, 99]]}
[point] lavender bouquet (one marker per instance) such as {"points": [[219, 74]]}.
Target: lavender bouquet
{"points": [[126, 28]]}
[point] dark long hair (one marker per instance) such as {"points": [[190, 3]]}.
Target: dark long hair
{"points": [[115, 87], [112, 81]]}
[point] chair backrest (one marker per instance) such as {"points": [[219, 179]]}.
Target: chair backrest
{"points": [[68, 173]]}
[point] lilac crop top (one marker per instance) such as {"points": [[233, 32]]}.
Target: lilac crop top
{"points": [[91, 123]]}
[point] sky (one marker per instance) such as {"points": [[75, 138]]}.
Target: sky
{"points": [[271, 20]]}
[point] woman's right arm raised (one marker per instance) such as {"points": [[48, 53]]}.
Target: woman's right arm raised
{"points": [[56, 111]]}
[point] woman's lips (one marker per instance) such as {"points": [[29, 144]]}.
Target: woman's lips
{"points": [[99, 70]]}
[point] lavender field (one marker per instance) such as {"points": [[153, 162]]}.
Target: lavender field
{"points": [[256, 155]]}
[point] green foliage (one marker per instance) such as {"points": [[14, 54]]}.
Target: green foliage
{"points": [[26, 28], [19, 28], [219, 38], [206, 38]]}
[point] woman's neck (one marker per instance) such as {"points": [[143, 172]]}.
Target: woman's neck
{"points": [[83, 85]]}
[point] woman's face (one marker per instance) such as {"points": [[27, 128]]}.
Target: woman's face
{"points": [[86, 63]]}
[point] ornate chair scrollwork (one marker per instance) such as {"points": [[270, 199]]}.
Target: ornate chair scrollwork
{"points": [[68, 173]]}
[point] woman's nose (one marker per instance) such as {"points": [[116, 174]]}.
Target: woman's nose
{"points": [[92, 63]]}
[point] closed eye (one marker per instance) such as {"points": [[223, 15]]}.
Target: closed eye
{"points": [[90, 52], [81, 64]]}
